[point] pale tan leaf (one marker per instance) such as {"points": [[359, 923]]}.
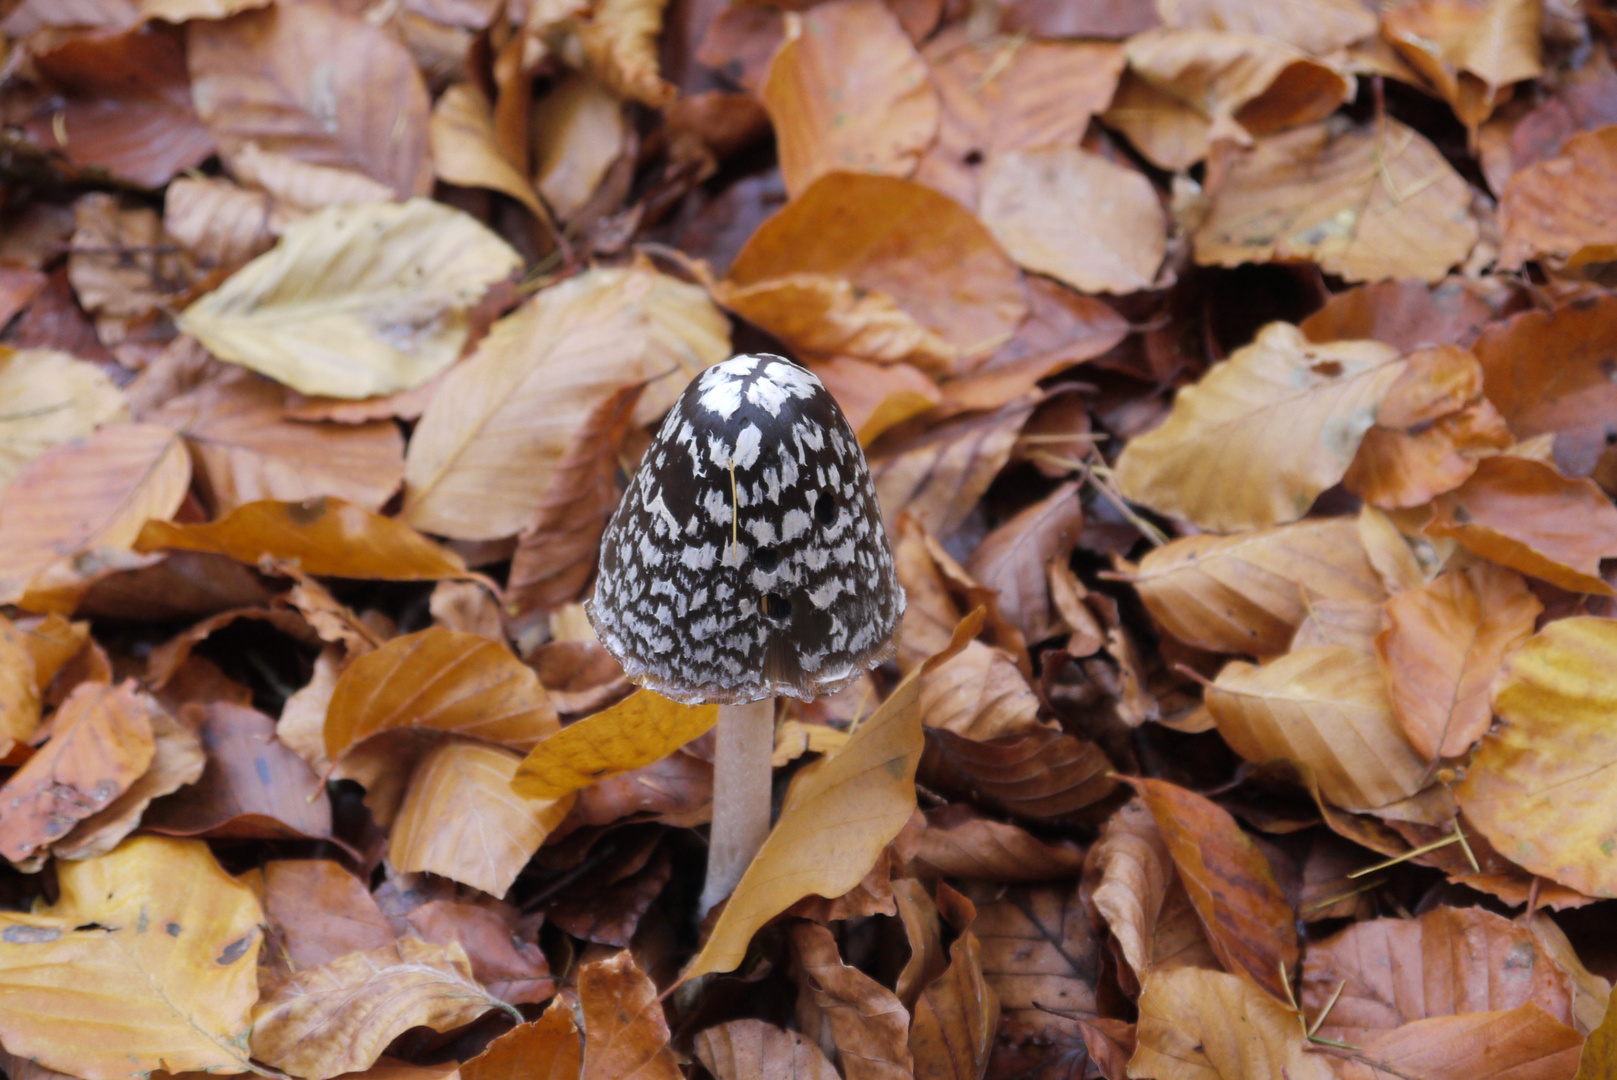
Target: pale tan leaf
{"points": [[464, 150], [20, 688], [1262, 434], [461, 820], [480, 460], [580, 131], [1470, 51], [355, 300], [219, 222], [752, 1050], [155, 943], [1134, 868], [1206, 1025], [300, 187], [49, 397], [958, 1012], [1315, 26], [620, 39], [339, 1017]]}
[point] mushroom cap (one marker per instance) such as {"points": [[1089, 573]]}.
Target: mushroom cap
{"points": [[781, 583]]}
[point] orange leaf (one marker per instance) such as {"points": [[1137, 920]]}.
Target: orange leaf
{"points": [[958, 1012], [1470, 51], [439, 680], [643, 728], [543, 1049], [1524, 1042], [1135, 868], [625, 1032], [865, 1020]]}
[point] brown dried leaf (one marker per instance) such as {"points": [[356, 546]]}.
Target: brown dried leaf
{"points": [[1442, 648], [466, 152], [461, 820], [753, 1050], [938, 476], [1037, 775], [1523, 1042], [316, 911], [1039, 955], [217, 221], [866, 1022], [958, 843], [509, 967], [1011, 560], [1364, 204], [875, 397], [1134, 869], [1213, 1026], [544, 1049], [580, 131], [625, 1032], [439, 680], [481, 459], [958, 1012], [1232, 455], [1525, 515], [92, 493], [100, 743], [250, 83], [339, 1017], [1558, 210], [1470, 51], [20, 688], [848, 91], [1405, 314], [620, 38], [1315, 26]]}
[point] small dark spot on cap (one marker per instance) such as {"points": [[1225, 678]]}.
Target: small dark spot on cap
{"points": [[776, 606], [825, 509], [766, 558], [307, 512]]}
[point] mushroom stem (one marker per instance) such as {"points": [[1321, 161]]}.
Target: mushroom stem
{"points": [[741, 795]]}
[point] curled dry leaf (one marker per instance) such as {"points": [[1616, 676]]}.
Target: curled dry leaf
{"points": [[320, 536], [958, 843], [250, 86], [620, 39], [1470, 51], [339, 1017], [466, 152], [355, 300], [978, 694], [1444, 644], [1536, 787], [1011, 560], [625, 1032], [248, 449], [461, 820], [745, 1049], [1249, 924], [48, 398], [1134, 869], [1248, 593], [1559, 210], [157, 943], [1325, 707], [847, 91], [958, 1012], [865, 1021], [92, 493], [875, 397], [481, 459], [1364, 204], [1525, 515], [639, 730], [952, 294], [439, 680], [1213, 1026], [544, 1049], [940, 474], [101, 742], [1062, 211], [1230, 455], [1315, 26], [1040, 774]]}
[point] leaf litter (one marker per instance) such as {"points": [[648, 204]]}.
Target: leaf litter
{"points": [[1236, 380]]}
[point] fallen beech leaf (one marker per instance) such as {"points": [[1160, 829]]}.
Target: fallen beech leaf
{"points": [[620, 39], [978, 694], [1443, 645], [1040, 956], [249, 82], [848, 91], [439, 680], [466, 152], [1036, 775], [1365, 204], [169, 657], [129, 286], [321, 536], [543, 1049], [625, 1032], [52, 643], [251, 787], [879, 236], [939, 476], [1470, 51], [1134, 869], [1557, 210], [1213, 1026], [1525, 515], [677, 790], [957, 843], [92, 493], [156, 943], [356, 300], [1448, 961], [125, 104], [339, 1017], [48, 398], [315, 912], [1573, 397], [958, 1012], [217, 221], [1229, 457], [19, 688], [461, 820], [1405, 314], [1327, 708], [611, 914], [1397, 469], [1523, 1042], [1248, 593], [1315, 26], [1537, 786], [1058, 210], [558, 551], [1599, 1052], [839, 814], [864, 1020], [580, 132], [481, 459], [642, 728], [1011, 559], [247, 449], [875, 397], [101, 742], [300, 186], [1249, 923], [509, 967], [749, 1049]]}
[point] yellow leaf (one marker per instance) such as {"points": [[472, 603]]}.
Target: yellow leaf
{"points": [[155, 945], [49, 397], [1540, 787], [356, 300], [1205, 1025], [1262, 434], [643, 728]]}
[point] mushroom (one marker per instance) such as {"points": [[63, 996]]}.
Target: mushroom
{"points": [[747, 561]]}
